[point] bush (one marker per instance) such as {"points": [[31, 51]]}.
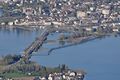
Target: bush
{"points": [[9, 59]]}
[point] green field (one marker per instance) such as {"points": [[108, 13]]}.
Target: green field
{"points": [[14, 74]]}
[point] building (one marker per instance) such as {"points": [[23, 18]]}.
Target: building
{"points": [[81, 14], [29, 11], [1, 12], [106, 11]]}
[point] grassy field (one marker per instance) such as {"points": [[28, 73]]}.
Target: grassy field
{"points": [[14, 74]]}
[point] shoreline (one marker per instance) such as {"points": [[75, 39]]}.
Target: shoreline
{"points": [[81, 42]]}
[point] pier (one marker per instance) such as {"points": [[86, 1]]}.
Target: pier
{"points": [[39, 41], [37, 44], [34, 46]]}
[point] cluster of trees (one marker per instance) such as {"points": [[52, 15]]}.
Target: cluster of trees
{"points": [[47, 70], [31, 67], [34, 68], [25, 68], [9, 59]]}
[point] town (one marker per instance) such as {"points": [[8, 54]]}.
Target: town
{"points": [[83, 13], [85, 19]]}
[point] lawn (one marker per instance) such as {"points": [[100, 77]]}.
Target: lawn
{"points": [[14, 74]]}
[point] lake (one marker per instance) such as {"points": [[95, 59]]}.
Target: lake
{"points": [[99, 58]]}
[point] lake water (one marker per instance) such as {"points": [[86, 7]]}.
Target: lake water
{"points": [[99, 58]]}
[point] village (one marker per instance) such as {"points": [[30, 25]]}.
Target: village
{"points": [[78, 13]]}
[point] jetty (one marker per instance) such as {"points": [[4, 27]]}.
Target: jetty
{"points": [[37, 44]]}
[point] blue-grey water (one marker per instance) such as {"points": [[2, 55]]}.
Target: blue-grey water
{"points": [[99, 58]]}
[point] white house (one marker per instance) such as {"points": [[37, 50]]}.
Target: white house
{"points": [[115, 30], [88, 29]]}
